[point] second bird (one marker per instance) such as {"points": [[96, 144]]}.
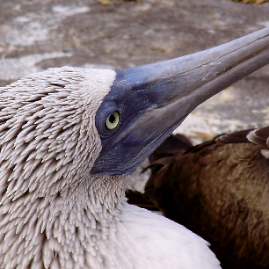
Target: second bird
{"points": [[220, 190]]}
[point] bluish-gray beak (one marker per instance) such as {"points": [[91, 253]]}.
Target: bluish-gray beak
{"points": [[152, 100]]}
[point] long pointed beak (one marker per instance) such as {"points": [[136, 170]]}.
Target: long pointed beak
{"points": [[154, 99]]}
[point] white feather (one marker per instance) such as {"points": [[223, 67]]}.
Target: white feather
{"points": [[53, 212]]}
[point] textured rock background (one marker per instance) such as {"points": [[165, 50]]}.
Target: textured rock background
{"points": [[36, 35]]}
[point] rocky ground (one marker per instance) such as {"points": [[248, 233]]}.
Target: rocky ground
{"points": [[35, 35]]}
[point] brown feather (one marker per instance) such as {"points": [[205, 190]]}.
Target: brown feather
{"points": [[259, 136], [219, 189]]}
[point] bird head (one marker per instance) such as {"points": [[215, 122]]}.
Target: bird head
{"points": [[146, 103], [63, 125]]}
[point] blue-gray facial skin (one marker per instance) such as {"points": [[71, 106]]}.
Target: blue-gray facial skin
{"points": [[152, 100]]}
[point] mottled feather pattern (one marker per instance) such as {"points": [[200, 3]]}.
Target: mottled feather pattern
{"points": [[213, 189], [45, 220], [53, 212]]}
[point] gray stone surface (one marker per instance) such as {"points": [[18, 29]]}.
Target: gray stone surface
{"points": [[35, 35]]}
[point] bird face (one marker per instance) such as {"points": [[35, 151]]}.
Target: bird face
{"points": [[61, 125], [146, 103]]}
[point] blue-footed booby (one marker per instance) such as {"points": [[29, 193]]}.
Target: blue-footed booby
{"points": [[218, 189], [69, 139]]}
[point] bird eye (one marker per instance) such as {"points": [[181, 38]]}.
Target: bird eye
{"points": [[112, 120]]}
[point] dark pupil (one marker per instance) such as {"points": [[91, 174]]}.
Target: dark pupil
{"points": [[112, 118]]}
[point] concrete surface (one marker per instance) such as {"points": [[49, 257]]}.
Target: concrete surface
{"points": [[37, 34]]}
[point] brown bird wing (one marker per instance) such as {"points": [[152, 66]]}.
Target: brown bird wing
{"points": [[260, 137], [219, 189]]}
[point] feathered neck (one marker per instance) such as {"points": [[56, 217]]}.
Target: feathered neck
{"points": [[59, 230], [54, 213]]}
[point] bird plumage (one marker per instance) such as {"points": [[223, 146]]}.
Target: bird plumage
{"points": [[219, 190], [46, 120], [54, 213], [69, 137]]}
